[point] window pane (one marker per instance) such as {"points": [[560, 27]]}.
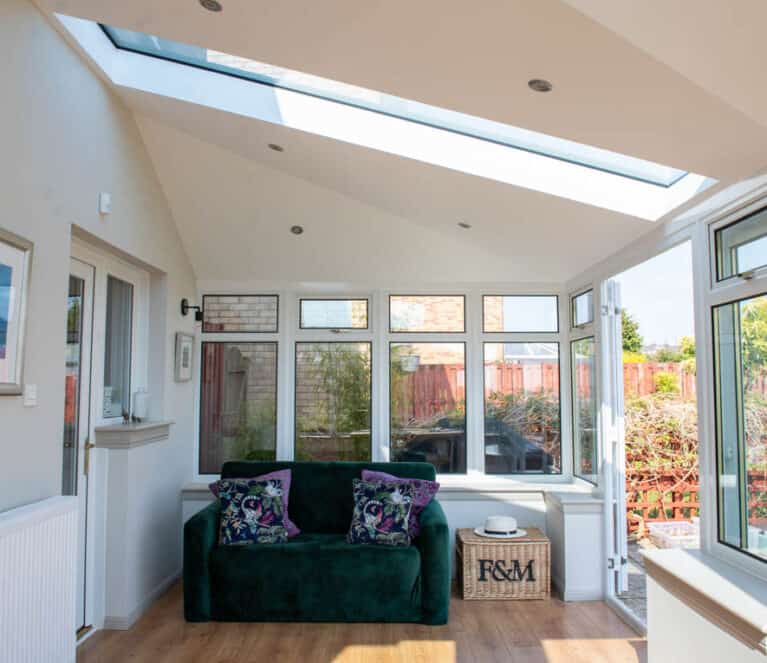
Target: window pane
{"points": [[520, 313], [585, 460], [333, 383], [583, 308], [428, 404], [334, 314], [522, 429], [238, 403], [742, 246], [117, 355], [740, 359], [239, 313], [426, 313]]}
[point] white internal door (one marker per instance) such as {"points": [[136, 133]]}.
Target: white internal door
{"points": [[614, 460], [77, 418]]}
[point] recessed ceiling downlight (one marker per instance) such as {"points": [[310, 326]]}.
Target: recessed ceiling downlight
{"points": [[275, 147], [539, 85], [211, 5], [297, 230]]}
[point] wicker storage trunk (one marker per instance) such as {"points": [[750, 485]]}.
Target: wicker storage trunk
{"points": [[503, 568]]}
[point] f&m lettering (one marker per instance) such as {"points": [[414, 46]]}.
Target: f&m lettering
{"points": [[498, 570]]}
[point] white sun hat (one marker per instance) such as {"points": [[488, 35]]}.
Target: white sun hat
{"points": [[500, 527]]}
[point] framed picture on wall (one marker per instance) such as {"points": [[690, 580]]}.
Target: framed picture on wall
{"points": [[15, 263], [184, 355]]}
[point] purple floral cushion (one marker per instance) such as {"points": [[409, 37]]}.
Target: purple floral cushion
{"points": [[251, 512], [280, 475], [423, 493]]}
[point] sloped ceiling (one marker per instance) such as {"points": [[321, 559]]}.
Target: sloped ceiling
{"points": [[375, 217]]}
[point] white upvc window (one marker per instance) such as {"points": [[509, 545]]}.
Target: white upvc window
{"points": [[736, 384], [388, 375]]}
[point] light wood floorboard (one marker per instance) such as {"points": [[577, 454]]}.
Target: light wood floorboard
{"points": [[479, 631]]}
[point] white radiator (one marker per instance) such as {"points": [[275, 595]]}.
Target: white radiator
{"points": [[38, 571]]}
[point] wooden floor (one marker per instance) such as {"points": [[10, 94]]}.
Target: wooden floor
{"points": [[483, 631]]}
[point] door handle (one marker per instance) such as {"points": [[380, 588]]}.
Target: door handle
{"points": [[87, 462]]}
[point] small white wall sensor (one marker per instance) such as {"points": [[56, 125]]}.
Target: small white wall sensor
{"points": [[105, 203]]}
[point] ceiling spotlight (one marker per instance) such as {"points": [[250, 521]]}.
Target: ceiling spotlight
{"points": [[211, 5], [297, 230], [539, 85], [463, 224], [275, 147]]}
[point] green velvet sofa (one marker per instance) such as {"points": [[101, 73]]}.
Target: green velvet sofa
{"points": [[318, 576]]}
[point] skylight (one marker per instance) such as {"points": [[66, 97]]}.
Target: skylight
{"points": [[412, 111]]}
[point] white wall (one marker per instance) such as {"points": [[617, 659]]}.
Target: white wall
{"points": [[65, 136], [675, 632]]}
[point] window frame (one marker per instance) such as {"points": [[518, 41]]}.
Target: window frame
{"points": [[556, 297], [298, 342], [135, 288], [723, 224], [203, 342], [301, 301], [588, 324], [276, 329], [389, 296], [465, 344], [560, 399], [596, 397]]}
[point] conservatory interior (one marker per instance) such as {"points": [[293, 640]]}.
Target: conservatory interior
{"points": [[383, 332]]}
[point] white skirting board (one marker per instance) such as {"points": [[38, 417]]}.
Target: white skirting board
{"points": [[38, 571], [124, 623]]}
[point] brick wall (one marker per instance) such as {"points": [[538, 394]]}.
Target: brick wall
{"points": [[240, 313]]}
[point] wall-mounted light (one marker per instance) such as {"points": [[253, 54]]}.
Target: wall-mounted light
{"points": [[186, 307]]}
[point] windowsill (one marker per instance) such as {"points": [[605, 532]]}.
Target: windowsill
{"points": [[472, 487], [731, 599], [128, 436]]}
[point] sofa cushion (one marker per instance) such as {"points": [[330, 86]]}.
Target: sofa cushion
{"points": [[251, 512], [321, 493], [284, 476], [423, 493], [381, 513], [316, 577]]}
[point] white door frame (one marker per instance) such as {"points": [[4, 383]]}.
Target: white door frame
{"points": [[105, 264]]}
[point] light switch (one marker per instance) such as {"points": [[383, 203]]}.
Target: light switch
{"points": [[30, 395]]}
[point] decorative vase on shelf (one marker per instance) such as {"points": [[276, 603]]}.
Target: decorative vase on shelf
{"points": [[141, 405]]}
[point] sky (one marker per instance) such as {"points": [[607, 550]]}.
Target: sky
{"points": [[658, 294]]}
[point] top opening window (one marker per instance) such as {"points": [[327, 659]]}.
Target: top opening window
{"points": [[240, 313], [334, 314], [496, 132], [742, 246], [427, 313], [583, 309], [520, 313]]}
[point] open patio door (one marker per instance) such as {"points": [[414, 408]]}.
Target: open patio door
{"points": [[613, 454]]}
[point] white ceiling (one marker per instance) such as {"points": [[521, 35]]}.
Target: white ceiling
{"points": [[371, 216]]}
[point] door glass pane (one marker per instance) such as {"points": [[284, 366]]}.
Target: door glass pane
{"points": [[520, 313], [72, 384], [583, 308], [238, 403], [585, 461], [428, 404], [333, 383], [426, 313], [742, 246], [117, 357], [522, 430], [334, 314], [740, 362]]}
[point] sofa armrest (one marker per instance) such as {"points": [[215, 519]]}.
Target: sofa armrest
{"points": [[200, 537], [433, 543]]}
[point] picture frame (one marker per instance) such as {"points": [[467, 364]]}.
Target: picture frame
{"points": [[15, 269], [184, 362]]}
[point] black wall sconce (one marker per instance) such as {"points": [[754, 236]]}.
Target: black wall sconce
{"points": [[186, 307]]}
